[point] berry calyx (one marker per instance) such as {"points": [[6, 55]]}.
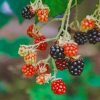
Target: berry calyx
{"points": [[27, 12], [57, 52], [43, 78], [80, 38], [23, 51], [40, 79], [32, 31], [58, 86], [93, 36], [43, 68], [41, 46], [28, 70], [76, 67], [61, 64], [70, 49]]}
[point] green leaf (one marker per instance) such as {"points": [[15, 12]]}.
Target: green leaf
{"points": [[43, 92], [93, 80], [36, 20], [11, 47], [88, 67], [1, 1], [4, 19], [58, 7], [17, 7], [3, 87]]}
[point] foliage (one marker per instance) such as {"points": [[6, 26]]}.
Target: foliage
{"points": [[4, 19], [11, 47]]}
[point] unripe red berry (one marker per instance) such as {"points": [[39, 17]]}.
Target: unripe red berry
{"points": [[28, 70], [58, 86]]}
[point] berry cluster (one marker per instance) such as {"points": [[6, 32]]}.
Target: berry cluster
{"points": [[34, 33], [62, 56], [38, 9], [63, 53], [91, 33]]}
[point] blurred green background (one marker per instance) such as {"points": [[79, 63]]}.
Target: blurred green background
{"points": [[13, 86]]}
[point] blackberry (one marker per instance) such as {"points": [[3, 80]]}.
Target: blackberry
{"points": [[61, 64], [57, 52], [80, 38], [93, 36], [27, 12], [76, 67]]}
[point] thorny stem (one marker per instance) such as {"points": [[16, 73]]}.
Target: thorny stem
{"points": [[96, 15], [35, 45], [55, 69], [62, 25], [67, 14], [69, 7], [48, 58]]}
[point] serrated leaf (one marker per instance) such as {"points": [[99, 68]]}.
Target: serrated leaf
{"points": [[17, 7], [4, 19]]}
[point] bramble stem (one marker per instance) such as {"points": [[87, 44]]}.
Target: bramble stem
{"points": [[55, 69], [35, 45]]}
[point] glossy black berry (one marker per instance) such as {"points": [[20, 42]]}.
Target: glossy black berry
{"points": [[61, 64], [80, 38], [93, 36], [27, 13], [76, 67], [57, 52]]}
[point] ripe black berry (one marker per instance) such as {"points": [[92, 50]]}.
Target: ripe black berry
{"points": [[76, 67], [61, 64], [80, 38], [93, 36], [57, 52], [27, 12]]}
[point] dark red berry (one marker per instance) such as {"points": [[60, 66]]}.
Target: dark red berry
{"points": [[61, 64], [42, 46], [43, 68]]}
